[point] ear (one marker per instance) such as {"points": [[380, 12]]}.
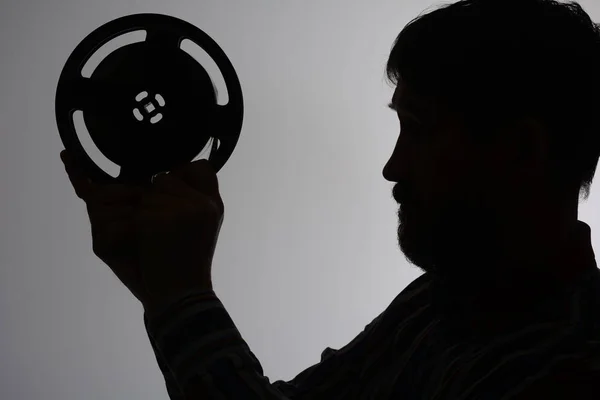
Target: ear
{"points": [[522, 145], [516, 155], [534, 144]]}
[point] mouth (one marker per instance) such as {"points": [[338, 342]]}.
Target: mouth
{"points": [[398, 195]]}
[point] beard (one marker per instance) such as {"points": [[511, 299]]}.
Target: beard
{"points": [[459, 246], [465, 248], [454, 242]]}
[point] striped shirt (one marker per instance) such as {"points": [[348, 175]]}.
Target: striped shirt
{"points": [[410, 351]]}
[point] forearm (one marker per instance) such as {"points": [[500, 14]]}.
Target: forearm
{"points": [[171, 384], [204, 354]]}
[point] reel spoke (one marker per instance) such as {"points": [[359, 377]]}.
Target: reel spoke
{"points": [[80, 92], [163, 38], [148, 106], [226, 114]]}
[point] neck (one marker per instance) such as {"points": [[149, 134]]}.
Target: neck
{"points": [[535, 273]]}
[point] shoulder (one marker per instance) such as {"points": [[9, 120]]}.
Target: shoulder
{"points": [[571, 379]]}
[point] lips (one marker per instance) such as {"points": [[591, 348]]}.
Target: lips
{"points": [[397, 196]]}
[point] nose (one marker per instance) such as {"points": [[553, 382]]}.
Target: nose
{"points": [[392, 169], [396, 170], [387, 171]]}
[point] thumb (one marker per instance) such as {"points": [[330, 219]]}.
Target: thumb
{"points": [[80, 182], [199, 175]]}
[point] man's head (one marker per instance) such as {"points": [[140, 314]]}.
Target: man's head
{"points": [[500, 132]]}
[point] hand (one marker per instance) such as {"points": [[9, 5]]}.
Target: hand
{"points": [[112, 209], [137, 233], [178, 225]]}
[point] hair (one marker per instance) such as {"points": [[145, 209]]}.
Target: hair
{"points": [[499, 60]]}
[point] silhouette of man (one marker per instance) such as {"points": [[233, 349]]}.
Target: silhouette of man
{"points": [[498, 108]]}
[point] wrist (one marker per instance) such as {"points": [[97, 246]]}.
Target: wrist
{"points": [[157, 302]]}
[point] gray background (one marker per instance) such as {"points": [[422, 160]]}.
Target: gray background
{"points": [[307, 255]]}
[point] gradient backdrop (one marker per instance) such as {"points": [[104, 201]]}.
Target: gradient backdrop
{"points": [[307, 255]]}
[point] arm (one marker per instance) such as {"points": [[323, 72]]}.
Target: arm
{"points": [[571, 380], [173, 389], [203, 356]]}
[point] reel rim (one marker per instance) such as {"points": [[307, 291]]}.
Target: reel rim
{"points": [[161, 30]]}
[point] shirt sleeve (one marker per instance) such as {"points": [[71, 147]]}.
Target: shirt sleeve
{"points": [[573, 378], [173, 389], [200, 352]]}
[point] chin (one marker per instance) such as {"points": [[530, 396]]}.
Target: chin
{"points": [[412, 243]]}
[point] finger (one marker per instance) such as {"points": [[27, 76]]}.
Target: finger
{"points": [[102, 213], [93, 192], [114, 242], [114, 194], [200, 175], [173, 185], [79, 181], [158, 202]]}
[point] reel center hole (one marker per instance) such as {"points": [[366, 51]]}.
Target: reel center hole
{"points": [[150, 107]]}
